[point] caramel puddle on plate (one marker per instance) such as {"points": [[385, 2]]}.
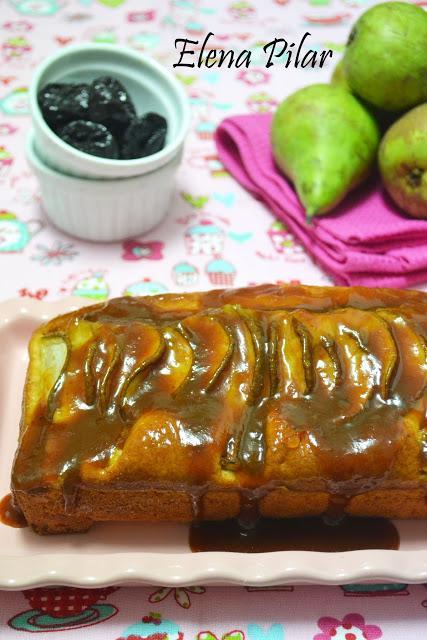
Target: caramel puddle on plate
{"points": [[294, 534], [11, 515]]}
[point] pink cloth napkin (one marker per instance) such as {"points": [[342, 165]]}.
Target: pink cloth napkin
{"points": [[367, 241]]}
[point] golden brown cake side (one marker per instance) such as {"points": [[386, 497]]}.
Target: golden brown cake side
{"points": [[176, 407], [46, 513]]}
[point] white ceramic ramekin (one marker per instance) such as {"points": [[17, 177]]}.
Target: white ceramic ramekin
{"points": [[104, 210], [151, 87]]}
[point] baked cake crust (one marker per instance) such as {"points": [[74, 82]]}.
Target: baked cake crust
{"points": [[292, 400]]}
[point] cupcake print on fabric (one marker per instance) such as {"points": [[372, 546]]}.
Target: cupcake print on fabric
{"points": [[204, 238], [145, 287], [92, 286], [185, 274], [221, 272]]}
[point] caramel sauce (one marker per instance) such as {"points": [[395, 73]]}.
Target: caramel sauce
{"points": [[294, 534], [11, 515], [184, 388]]}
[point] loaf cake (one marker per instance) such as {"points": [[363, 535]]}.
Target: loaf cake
{"points": [[274, 400]]}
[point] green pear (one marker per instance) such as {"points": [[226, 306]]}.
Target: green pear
{"points": [[385, 60], [403, 161], [384, 118], [338, 77], [325, 142]]}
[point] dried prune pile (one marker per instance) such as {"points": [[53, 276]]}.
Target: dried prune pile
{"points": [[100, 119]]}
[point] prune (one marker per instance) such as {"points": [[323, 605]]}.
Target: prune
{"points": [[90, 137], [60, 103], [110, 104], [49, 99], [76, 101], [100, 119], [144, 136]]}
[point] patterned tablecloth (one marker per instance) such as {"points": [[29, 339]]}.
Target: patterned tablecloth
{"points": [[215, 234]]}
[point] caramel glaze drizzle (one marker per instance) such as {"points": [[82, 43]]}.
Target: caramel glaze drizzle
{"points": [[340, 370]]}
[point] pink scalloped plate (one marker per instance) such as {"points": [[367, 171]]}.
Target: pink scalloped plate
{"points": [[133, 553]]}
